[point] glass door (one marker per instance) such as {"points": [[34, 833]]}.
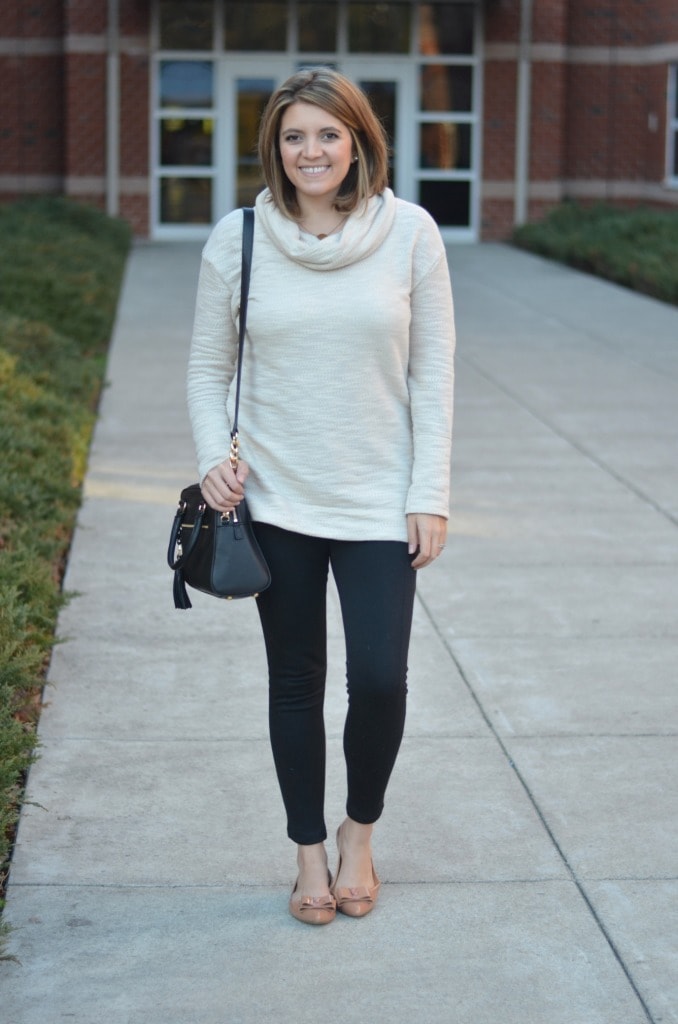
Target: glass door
{"points": [[251, 97], [389, 91], [245, 92], [245, 88]]}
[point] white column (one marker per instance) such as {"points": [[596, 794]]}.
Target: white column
{"points": [[113, 109], [523, 104]]}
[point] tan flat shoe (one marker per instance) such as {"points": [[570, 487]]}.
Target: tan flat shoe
{"points": [[355, 901], [312, 909]]}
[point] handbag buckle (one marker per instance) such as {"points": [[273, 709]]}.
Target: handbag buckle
{"points": [[228, 517]]}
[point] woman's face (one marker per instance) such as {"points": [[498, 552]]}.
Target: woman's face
{"points": [[316, 150]]}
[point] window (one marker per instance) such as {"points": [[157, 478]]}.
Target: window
{"points": [[317, 26], [447, 87], [185, 26], [184, 142], [672, 128], [447, 143], [378, 28], [185, 83], [446, 28], [256, 25]]}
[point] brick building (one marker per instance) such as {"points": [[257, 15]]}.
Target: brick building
{"points": [[497, 109]]}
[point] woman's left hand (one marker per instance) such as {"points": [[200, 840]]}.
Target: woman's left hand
{"points": [[425, 536]]}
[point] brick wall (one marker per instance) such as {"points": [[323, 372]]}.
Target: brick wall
{"points": [[623, 22], [598, 104], [134, 142], [85, 99], [616, 123], [31, 112], [597, 113], [53, 68], [86, 106]]}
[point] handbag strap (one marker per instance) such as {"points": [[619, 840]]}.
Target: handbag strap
{"points": [[246, 268]]}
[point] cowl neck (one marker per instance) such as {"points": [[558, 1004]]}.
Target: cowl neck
{"points": [[363, 232]]}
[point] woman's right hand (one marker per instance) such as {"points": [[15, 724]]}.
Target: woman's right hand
{"points": [[223, 489]]}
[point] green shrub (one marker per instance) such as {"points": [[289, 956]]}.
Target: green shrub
{"points": [[60, 266], [636, 248], [60, 271], [43, 437]]}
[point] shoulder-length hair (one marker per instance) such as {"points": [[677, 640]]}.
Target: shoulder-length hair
{"points": [[336, 94]]}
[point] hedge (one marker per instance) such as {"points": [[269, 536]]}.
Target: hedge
{"points": [[61, 268], [637, 248]]}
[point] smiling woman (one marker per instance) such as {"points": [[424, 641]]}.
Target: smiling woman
{"points": [[350, 312]]}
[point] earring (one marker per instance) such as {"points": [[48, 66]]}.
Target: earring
{"points": [[354, 160]]}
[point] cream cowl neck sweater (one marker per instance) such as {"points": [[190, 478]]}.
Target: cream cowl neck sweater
{"points": [[346, 398]]}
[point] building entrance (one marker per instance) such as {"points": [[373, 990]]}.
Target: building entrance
{"points": [[416, 61]]}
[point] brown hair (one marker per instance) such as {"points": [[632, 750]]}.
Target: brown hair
{"points": [[336, 94]]}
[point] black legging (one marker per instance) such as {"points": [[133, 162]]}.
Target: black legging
{"points": [[376, 585]]}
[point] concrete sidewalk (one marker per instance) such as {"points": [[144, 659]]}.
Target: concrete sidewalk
{"points": [[529, 844]]}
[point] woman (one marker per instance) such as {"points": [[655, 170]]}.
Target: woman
{"points": [[346, 418]]}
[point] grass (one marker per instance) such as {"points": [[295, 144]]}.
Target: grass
{"points": [[637, 248], [61, 267]]}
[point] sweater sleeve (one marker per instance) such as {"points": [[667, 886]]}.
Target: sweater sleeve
{"points": [[431, 386], [213, 356]]}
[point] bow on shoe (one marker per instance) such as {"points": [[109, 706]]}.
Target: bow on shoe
{"points": [[361, 894], [312, 909], [359, 900], [316, 903]]}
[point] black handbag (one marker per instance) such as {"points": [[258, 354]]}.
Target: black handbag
{"points": [[211, 551]]}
